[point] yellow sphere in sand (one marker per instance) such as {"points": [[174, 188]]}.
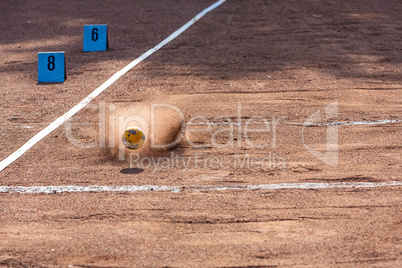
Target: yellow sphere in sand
{"points": [[133, 138]]}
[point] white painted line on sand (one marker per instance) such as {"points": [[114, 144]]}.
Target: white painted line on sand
{"points": [[213, 123], [345, 123], [156, 188], [55, 124], [349, 123]]}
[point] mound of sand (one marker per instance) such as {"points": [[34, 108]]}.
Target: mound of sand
{"points": [[161, 123]]}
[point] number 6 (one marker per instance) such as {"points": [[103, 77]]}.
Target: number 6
{"points": [[95, 34]]}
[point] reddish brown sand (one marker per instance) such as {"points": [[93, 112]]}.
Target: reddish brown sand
{"points": [[279, 59]]}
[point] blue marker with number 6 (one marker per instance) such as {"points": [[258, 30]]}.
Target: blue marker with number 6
{"points": [[95, 38], [51, 67]]}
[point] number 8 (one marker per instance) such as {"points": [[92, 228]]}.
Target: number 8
{"points": [[51, 64]]}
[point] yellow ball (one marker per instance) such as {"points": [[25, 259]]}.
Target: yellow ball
{"points": [[133, 138]]}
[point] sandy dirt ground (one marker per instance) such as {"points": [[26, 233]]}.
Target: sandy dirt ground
{"points": [[256, 64]]}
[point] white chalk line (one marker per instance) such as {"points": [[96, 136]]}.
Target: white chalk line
{"points": [[345, 123], [349, 123], [156, 188], [212, 123], [55, 124]]}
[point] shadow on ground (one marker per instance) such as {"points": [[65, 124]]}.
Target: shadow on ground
{"points": [[131, 171]]}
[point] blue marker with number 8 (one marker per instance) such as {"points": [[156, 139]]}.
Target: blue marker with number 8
{"points": [[95, 38], [51, 67]]}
